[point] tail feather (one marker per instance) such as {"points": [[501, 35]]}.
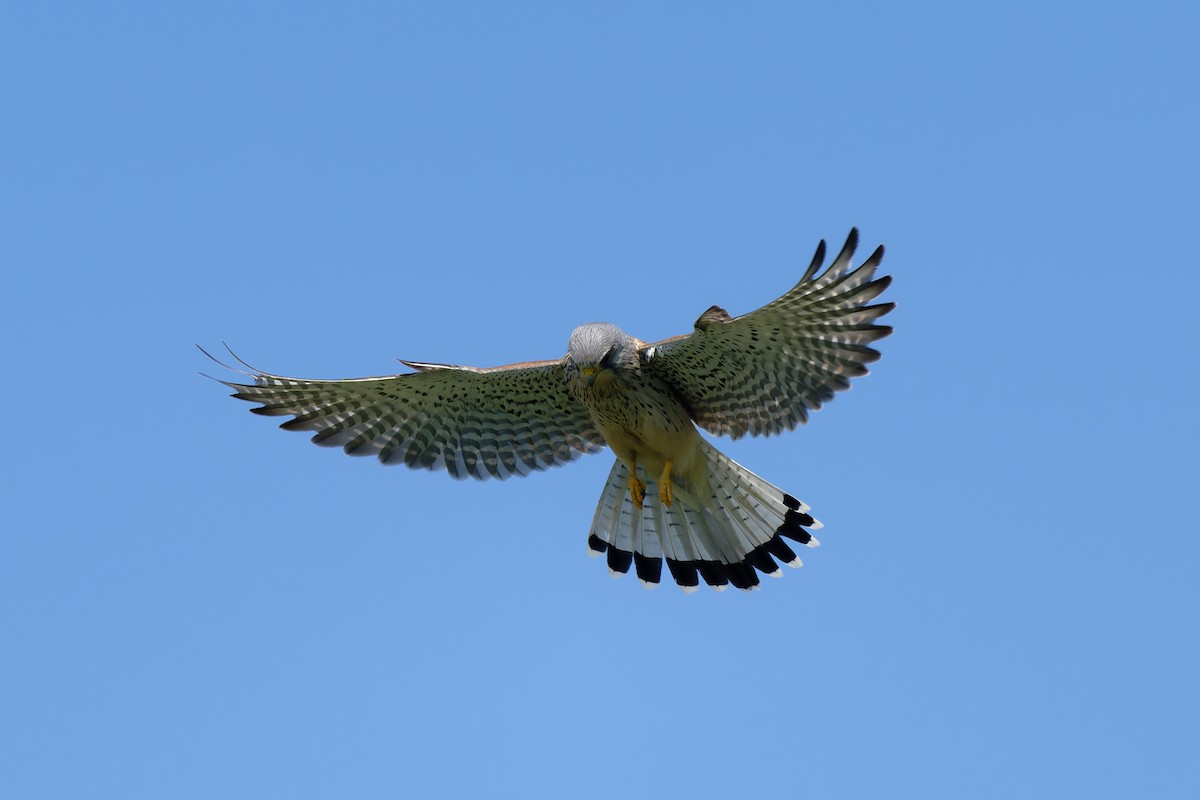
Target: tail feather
{"points": [[725, 533]]}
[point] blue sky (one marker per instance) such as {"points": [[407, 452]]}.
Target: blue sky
{"points": [[194, 604]]}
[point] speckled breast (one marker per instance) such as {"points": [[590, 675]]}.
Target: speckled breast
{"points": [[632, 403]]}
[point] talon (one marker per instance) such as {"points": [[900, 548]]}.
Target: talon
{"points": [[664, 485], [637, 490]]}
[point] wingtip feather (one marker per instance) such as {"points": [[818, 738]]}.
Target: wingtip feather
{"points": [[817, 260]]}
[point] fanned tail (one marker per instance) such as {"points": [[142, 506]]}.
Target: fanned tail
{"points": [[726, 534]]}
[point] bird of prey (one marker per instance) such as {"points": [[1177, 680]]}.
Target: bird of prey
{"points": [[671, 495]]}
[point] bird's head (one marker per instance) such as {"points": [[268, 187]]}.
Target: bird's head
{"points": [[598, 352]]}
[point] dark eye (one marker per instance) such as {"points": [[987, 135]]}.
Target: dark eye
{"points": [[609, 361]]}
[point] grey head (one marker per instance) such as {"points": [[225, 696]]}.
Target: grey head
{"points": [[600, 351]]}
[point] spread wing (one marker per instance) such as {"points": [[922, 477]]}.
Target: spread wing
{"points": [[482, 423], [762, 372]]}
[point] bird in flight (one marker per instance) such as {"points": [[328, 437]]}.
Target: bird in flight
{"points": [[671, 495]]}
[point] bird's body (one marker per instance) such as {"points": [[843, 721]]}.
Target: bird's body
{"points": [[713, 519], [637, 412], [670, 495], [644, 424]]}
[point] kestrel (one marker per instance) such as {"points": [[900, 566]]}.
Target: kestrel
{"points": [[670, 495]]}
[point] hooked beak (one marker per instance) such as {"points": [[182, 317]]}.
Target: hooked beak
{"points": [[590, 374]]}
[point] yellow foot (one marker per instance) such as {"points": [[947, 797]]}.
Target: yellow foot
{"points": [[637, 490], [664, 486]]}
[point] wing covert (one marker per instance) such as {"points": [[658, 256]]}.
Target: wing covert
{"points": [[761, 373], [480, 423]]}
